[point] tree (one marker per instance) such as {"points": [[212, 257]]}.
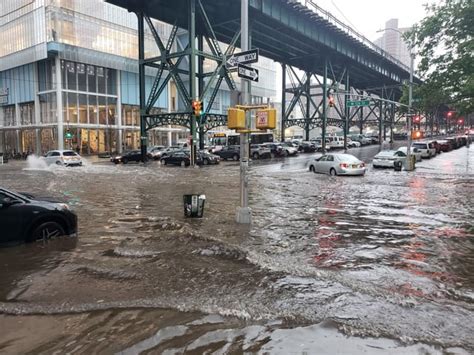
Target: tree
{"points": [[445, 43]]}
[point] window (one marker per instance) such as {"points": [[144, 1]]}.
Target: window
{"points": [[27, 113], [92, 109], [81, 77], [71, 76], [91, 79], [100, 80], [9, 115]]}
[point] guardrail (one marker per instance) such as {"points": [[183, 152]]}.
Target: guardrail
{"points": [[350, 31]]}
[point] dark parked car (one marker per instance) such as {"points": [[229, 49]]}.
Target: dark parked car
{"points": [[276, 150], [132, 155], [444, 145], [24, 218], [307, 147], [179, 157], [229, 152], [206, 158]]}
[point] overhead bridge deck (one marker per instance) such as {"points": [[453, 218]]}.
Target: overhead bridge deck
{"points": [[288, 32]]}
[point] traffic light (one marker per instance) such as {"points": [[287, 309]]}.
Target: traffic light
{"points": [[197, 107], [330, 96], [416, 119], [450, 114], [68, 134]]}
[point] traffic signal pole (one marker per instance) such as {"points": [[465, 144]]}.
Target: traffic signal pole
{"points": [[192, 75], [244, 214]]}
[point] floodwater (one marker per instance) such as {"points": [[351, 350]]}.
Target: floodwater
{"points": [[377, 264]]}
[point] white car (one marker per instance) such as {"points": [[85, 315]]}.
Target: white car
{"points": [[338, 164], [387, 158], [352, 144], [414, 151], [427, 149], [63, 157]]}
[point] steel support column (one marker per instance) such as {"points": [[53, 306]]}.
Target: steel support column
{"points": [[141, 83], [323, 128], [347, 90], [283, 101], [308, 105], [381, 122]]}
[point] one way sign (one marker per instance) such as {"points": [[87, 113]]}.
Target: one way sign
{"points": [[246, 57], [246, 72]]}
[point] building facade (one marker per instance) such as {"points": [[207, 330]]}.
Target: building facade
{"points": [[392, 41], [69, 78]]}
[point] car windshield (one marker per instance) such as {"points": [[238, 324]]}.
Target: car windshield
{"points": [[386, 153], [69, 153], [419, 145]]}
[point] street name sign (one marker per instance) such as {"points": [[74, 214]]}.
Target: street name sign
{"points": [[246, 57], [246, 72], [358, 103]]}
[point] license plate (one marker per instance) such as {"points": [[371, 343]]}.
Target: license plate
{"points": [[355, 166]]}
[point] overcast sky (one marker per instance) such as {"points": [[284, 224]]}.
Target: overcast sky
{"points": [[368, 16]]}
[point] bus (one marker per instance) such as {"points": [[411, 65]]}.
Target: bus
{"points": [[221, 139]]}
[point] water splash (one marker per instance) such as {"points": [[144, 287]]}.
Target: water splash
{"points": [[36, 163]]}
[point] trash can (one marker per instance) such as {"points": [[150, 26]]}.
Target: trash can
{"points": [[194, 205], [397, 165]]}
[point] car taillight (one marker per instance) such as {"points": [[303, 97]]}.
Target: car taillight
{"points": [[362, 165], [343, 165]]}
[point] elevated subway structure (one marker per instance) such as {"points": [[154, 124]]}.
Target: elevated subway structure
{"points": [[298, 34]]}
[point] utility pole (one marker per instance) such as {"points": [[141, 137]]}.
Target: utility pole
{"points": [[409, 165], [244, 214]]}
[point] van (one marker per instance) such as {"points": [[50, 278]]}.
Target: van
{"points": [[427, 149], [336, 142]]}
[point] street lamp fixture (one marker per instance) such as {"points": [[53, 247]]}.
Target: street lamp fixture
{"points": [[409, 165]]}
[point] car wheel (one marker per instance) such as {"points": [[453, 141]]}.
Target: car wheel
{"points": [[125, 160], [332, 172], [47, 230], [235, 157], [285, 153], [255, 155], [272, 155], [312, 169], [116, 162], [205, 162], [183, 163], [59, 163]]}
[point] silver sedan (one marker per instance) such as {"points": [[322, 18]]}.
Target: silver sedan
{"points": [[338, 164]]}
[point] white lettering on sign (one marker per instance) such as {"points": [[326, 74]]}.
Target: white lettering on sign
{"points": [[3, 91], [262, 118], [3, 100]]}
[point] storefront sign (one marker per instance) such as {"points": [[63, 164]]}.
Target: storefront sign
{"points": [[3, 91], [3, 96]]}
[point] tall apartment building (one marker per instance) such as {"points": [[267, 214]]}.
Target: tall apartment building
{"points": [[392, 41], [71, 66]]}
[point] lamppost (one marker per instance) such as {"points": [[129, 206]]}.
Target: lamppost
{"points": [[409, 165]]}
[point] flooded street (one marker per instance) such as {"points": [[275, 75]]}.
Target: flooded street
{"points": [[377, 264]]}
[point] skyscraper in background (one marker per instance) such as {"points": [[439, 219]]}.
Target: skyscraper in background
{"points": [[393, 42]]}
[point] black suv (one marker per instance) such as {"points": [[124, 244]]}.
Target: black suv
{"points": [[132, 155], [229, 152], [24, 218]]}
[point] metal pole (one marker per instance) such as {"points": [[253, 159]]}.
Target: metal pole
{"points": [[244, 214], [283, 100], [409, 165], [192, 74], [201, 89], [323, 130], [346, 110], [141, 79]]}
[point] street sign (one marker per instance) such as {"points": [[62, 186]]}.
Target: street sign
{"points": [[246, 72], [3, 99], [246, 57], [358, 103]]}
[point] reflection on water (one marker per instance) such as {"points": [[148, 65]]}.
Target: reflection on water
{"points": [[389, 254]]}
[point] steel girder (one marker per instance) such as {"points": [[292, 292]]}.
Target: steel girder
{"points": [[169, 67], [209, 120]]}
